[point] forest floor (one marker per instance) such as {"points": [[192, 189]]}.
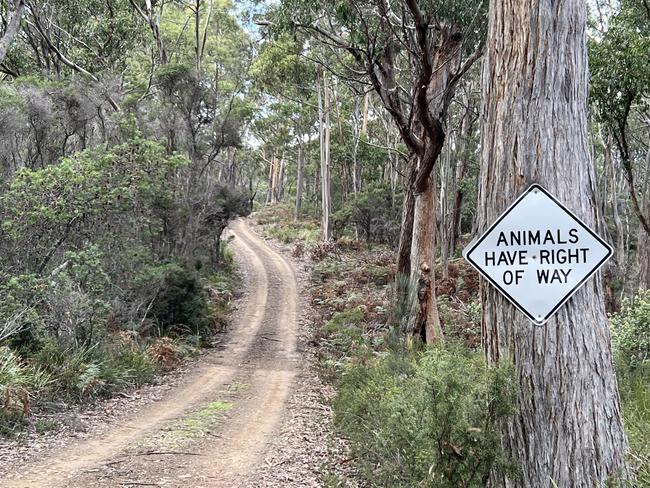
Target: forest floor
{"points": [[249, 413]]}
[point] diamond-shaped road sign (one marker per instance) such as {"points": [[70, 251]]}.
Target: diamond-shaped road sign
{"points": [[538, 254]]}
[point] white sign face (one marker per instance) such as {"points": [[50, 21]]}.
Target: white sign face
{"points": [[538, 254]]}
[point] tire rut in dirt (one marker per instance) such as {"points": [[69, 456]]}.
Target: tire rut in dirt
{"points": [[259, 353]]}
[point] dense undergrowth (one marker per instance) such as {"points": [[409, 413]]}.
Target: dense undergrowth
{"points": [[429, 417], [631, 340], [108, 276]]}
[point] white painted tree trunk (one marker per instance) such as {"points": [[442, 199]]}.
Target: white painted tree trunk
{"points": [[568, 430]]}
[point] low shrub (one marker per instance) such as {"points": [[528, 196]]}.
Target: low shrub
{"points": [[427, 419], [19, 381], [340, 339], [290, 232], [634, 386], [373, 213], [76, 374], [461, 320], [180, 306], [631, 341], [631, 330]]}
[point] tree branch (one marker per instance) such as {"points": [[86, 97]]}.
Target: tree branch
{"points": [[12, 29], [39, 27]]}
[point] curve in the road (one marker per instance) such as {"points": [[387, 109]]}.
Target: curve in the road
{"points": [[261, 350]]}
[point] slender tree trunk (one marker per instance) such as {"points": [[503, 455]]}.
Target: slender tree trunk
{"points": [[324, 125], [618, 223], [355, 149], [446, 217], [197, 35], [568, 430], [270, 193], [364, 123], [279, 180], [644, 238], [299, 180], [462, 167], [362, 132], [152, 18], [406, 230]]}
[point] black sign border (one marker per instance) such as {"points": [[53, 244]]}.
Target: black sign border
{"points": [[472, 247]]}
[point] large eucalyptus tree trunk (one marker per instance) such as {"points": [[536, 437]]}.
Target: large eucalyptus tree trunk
{"points": [[568, 430]]}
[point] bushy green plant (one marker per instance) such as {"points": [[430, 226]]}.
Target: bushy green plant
{"points": [[428, 419], [373, 212], [181, 305], [634, 386], [127, 368], [20, 321], [73, 317], [631, 330], [72, 371], [343, 330], [57, 208], [18, 381], [86, 372], [461, 321]]}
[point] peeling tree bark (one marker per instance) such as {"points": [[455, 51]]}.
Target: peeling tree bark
{"points": [[568, 429], [424, 319]]}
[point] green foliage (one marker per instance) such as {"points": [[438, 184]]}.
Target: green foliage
{"points": [[631, 341], [181, 305], [343, 332], [620, 74], [631, 330], [461, 321], [373, 212], [360, 19], [89, 193], [103, 33], [426, 419], [19, 298], [634, 387], [292, 232], [87, 372], [279, 62], [173, 78], [279, 223], [18, 380]]}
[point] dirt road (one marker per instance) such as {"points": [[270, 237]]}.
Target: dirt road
{"points": [[212, 430]]}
